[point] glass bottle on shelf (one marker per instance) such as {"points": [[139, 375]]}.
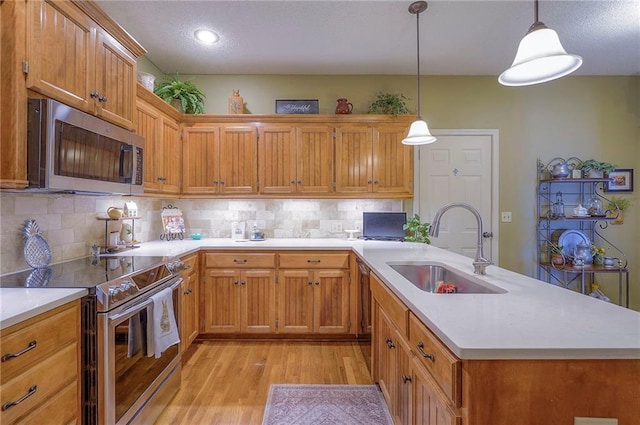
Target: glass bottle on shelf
{"points": [[558, 206], [594, 207]]}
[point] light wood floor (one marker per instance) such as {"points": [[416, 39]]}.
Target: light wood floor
{"points": [[227, 383]]}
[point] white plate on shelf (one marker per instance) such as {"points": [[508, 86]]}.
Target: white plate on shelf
{"points": [[569, 240]]}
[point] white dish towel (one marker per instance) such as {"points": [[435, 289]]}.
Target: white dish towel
{"points": [[162, 324]]}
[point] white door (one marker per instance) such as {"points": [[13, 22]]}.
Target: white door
{"points": [[461, 166]]}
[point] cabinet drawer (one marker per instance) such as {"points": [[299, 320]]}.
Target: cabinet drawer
{"points": [[240, 260], [190, 264], [395, 309], [46, 333], [445, 367], [310, 260], [47, 378]]}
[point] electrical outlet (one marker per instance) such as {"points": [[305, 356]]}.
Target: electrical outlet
{"points": [[336, 227], [594, 421], [506, 216], [357, 226]]}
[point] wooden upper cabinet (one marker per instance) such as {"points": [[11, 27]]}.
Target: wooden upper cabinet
{"points": [[201, 153], [372, 159], [115, 80], [392, 161], [238, 163], [162, 149], [72, 59], [295, 159], [60, 52], [354, 171], [314, 168]]}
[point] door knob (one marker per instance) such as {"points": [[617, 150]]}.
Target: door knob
{"points": [[487, 235]]}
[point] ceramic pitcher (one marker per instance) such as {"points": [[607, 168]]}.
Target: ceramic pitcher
{"points": [[344, 106]]}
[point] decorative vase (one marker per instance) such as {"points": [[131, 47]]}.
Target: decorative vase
{"points": [[595, 174], [619, 218], [557, 259], [177, 104], [598, 260], [236, 103]]}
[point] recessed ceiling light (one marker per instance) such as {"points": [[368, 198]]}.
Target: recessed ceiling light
{"points": [[207, 36]]}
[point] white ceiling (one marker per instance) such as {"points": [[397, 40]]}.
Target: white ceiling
{"points": [[471, 37]]}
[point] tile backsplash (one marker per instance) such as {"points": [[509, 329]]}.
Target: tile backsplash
{"points": [[69, 224]]}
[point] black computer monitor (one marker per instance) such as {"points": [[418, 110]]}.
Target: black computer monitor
{"points": [[384, 225]]}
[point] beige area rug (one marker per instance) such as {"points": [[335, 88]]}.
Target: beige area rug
{"points": [[326, 404]]}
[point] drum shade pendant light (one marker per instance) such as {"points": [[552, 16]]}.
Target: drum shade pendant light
{"points": [[419, 131], [540, 58]]}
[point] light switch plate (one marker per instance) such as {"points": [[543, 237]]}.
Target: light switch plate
{"points": [[506, 216], [594, 421]]}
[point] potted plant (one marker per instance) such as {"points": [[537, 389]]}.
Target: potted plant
{"points": [[557, 257], [595, 169], [417, 231], [616, 207], [189, 97], [389, 104]]}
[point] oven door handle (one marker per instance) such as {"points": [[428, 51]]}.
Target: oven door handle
{"points": [[139, 307]]}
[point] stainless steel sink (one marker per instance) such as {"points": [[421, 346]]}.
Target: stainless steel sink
{"points": [[430, 276]]}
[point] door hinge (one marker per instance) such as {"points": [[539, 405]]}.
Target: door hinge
{"points": [[277, 279], [348, 324], [277, 323], [333, 133], [334, 185], [25, 67], [181, 135]]}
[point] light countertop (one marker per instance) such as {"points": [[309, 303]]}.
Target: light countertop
{"points": [[532, 320], [19, 304]]}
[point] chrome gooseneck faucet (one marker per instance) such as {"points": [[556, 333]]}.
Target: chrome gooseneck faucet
{"points": [[480, 263]]}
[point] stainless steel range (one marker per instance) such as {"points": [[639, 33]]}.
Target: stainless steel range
{"points": [[123, 381]]}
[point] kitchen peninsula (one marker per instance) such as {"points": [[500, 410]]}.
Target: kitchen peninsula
{"points": [[528, 339]]}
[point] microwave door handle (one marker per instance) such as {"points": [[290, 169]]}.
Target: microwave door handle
{"points": [[139, 307], [126, 176]]}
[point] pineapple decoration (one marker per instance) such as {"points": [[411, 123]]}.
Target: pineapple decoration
{"points": [[37, 253]]}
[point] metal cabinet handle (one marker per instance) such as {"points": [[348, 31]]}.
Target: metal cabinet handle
{"points": [[313, 261], [243, 282], [102, 99], [369, 182], [310, 282], [293, 182], [299, 181], [318, 283], [239, 260], [406, 378], [94, 95], [376, 182], [29, 347], [429, 356], [32, 391], [235, 283], [390, 343]]}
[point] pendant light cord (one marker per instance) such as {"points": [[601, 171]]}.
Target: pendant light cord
{"points": [[535, 5], [418, 59]]}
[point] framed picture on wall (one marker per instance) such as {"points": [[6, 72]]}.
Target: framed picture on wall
{"points": [[620, 180]]}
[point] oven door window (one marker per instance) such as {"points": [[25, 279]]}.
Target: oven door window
{"points": [[135, 370]]}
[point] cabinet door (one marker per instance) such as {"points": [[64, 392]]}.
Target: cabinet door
{"points": [[115, 73], [200, 162], [148, 126], [383, 344], [403, 382], [353, 158], [220, 301], [238, 159], [189, 313], [331, 301], [392, 161], [258, 304], [314, 169], [429, 405], [277, 161], [295, 301], [60, 52], [172, 155]]}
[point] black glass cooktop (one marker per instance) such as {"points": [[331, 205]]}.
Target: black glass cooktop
{"points": [[82, 273]]}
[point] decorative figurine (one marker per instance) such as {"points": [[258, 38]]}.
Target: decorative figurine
{"points": [[236, 103]]}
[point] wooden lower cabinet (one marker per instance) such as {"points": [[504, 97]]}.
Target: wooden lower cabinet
{"points": [[45, 375], [429, 407], [237, 301], [314, 293], [190, 311]]}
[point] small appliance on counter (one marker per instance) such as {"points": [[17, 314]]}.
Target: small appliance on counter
{"points": [[256, 234], [238, 230]]}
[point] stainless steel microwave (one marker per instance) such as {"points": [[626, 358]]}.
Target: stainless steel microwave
{"points": [[72, 151]]}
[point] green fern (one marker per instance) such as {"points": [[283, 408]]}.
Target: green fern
{"points": [[190, 96], [389, 104]]}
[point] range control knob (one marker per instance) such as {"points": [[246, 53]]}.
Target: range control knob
{"points": [[175, 266]]}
